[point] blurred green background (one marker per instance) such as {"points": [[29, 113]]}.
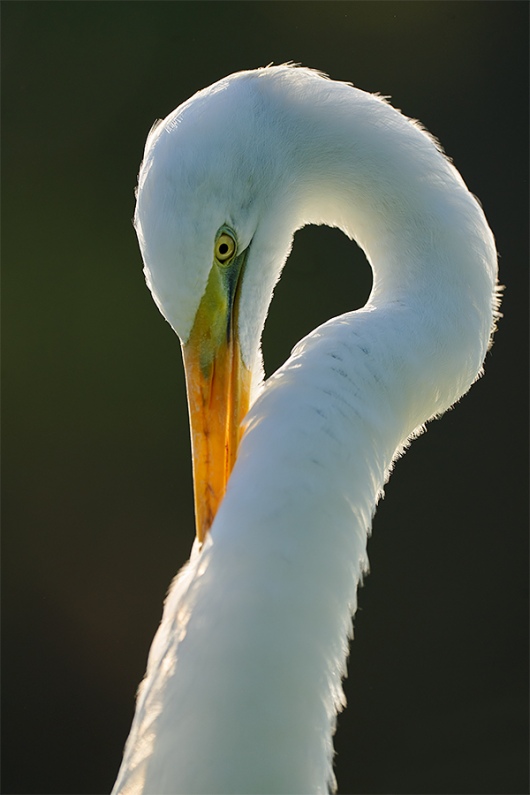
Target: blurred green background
{"points": [[97, 482]]}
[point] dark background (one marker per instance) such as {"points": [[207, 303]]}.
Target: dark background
{"points": [[97, 481]]}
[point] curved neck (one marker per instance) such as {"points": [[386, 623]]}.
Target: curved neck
{"points": [[387, 185], [365, 168]]}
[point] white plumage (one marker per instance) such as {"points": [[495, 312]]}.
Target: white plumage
{"points": [[244, 676]]}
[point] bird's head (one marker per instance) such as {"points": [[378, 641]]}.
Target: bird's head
{"points": [[215, 219]]}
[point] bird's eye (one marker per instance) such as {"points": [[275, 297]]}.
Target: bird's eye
{"points": [[225, 248]]}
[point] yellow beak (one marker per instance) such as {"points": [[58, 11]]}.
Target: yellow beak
{"points": [[218, 385]]}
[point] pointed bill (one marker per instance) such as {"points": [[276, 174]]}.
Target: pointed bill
{"points": [[218, 385]]}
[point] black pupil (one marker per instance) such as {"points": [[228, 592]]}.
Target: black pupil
{"points": [[223, 249]]}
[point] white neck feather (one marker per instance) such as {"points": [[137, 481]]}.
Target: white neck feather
{"points": [[365, 168]]}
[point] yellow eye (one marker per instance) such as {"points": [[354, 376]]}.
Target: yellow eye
{"points": [[225, 248]]}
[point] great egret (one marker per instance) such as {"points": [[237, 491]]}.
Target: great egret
{"points": [[243, 681]]}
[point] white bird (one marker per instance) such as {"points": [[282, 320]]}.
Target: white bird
{"points": [[244, 678]]}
